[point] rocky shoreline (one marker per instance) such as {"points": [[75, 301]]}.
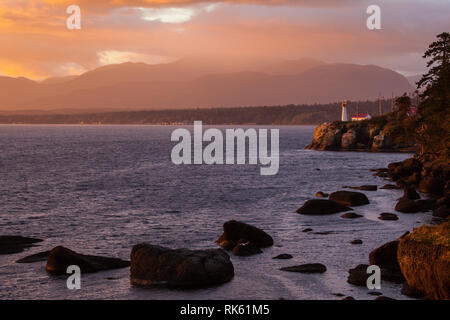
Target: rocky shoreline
{"points": [[381, 134], [419, 260]]}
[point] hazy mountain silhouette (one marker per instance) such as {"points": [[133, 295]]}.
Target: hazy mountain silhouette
{"points": [[199, 83]]}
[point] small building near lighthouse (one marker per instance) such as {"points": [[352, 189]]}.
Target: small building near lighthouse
{"points": [[361, 116]]}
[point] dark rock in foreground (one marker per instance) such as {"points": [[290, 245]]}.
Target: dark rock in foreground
{"points": [[349, 198], [307, 268], [320, 207], [388, 216], [234, 231], [151, 265], [245, 248], [60, 258], [358, 276], [283, 256], [386, 258], [16, 244], [41, 256], [351, 215]]}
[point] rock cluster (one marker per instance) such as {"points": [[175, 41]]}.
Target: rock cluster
{"points": [[364, 136]]}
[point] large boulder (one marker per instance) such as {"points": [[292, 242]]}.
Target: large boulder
{"points": [[386, 256], [358, 275], [349, 198], [16, 244], [152, 265], [424, 258], [407, 206], [321, 207], [60, 258], [233, 231]]}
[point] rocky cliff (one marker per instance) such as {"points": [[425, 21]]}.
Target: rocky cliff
{"points": [[386, 133], [424, 259]]}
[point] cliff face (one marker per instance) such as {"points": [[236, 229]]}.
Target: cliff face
{"points": [[378, 134], [424, 259]]}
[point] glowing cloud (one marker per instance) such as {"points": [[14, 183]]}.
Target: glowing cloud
{"points": [[168, 15], [114, 57]]}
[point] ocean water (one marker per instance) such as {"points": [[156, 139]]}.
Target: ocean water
{"points": [[102, 189]]}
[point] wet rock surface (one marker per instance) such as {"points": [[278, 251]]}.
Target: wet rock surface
{"points": [[155, 265]]}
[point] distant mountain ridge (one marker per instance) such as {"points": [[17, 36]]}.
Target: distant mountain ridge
{"points": [[196, 84]]}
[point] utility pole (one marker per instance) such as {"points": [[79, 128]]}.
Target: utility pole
{"points": [[392, 103], [379, 104]]}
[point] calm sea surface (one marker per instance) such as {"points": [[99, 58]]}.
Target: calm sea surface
{"points": [[102, 189]]}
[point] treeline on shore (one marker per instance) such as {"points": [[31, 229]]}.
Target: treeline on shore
{"points": [[267, 115]]}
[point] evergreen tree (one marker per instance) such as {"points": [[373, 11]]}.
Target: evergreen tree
{"points": [[434, 108]]}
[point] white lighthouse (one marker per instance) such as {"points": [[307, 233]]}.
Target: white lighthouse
{"points": [[344, 116]]}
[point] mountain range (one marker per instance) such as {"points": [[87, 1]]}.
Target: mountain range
{"points": [[187, 84]]}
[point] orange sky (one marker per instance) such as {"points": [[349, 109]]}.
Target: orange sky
{"points": [[35, 43]]}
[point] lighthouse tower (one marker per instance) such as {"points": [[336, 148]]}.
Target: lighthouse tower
{"points": [[344, 116]]}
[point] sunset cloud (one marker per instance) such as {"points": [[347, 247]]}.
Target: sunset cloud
{"points": [[35, 42]]}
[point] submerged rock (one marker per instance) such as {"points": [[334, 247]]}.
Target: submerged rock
{"points": [[356, 241], [306, 268], [234, 231], [351, 215], [60, 258], [388, 216], [41, 256], [151, 265], [320, 207], [349, 198], [16, 244], [424, 258], [391, 187], [283, 256], [365, 188]]}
